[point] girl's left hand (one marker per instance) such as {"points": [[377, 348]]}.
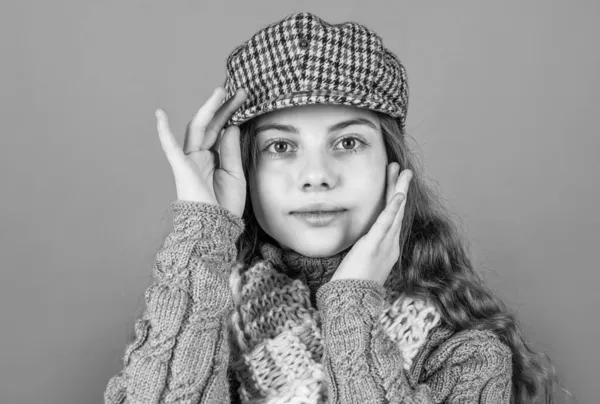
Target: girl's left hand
{"points": [[373, 256]]}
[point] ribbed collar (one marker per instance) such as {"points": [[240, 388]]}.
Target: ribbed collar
{"points": [[314, 272]]}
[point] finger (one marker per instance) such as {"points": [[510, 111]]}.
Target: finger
{"points": [[397, 223], [167, 140], [382, 225], [194, 134], [392, 178], [222, 116], [403, 185], [404, 181], [230, 153]]}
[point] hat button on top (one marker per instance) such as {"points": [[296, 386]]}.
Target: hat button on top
{"points": [[303, 44]]}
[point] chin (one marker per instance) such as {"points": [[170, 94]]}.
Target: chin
{"points": [[317, 242], [315, 248]]}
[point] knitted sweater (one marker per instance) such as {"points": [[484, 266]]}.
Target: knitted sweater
{"points": [[278, 331]]}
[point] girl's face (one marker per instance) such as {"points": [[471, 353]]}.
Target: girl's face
{"points": [[328, 154]]}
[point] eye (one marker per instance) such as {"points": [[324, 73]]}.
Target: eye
{"points": [[349, 142], [281, 146]]}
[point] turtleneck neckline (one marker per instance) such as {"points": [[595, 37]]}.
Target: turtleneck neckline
{"points": [[313, 271]]}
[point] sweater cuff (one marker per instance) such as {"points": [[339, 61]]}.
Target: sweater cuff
{"points": [[342, 293], [204, 243], [210, 221], [349, 310]]}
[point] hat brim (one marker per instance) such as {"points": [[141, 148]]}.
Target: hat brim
{"points": [[312, 97]]}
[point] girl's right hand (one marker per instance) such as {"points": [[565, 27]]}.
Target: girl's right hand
{"points": [[197, 177]]}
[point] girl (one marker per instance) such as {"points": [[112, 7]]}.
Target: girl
{"points": [[309, 262]]}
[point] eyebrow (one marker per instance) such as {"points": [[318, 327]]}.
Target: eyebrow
{"points": [[332, 128]]}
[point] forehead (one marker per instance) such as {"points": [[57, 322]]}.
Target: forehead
{"points": [[316, 115]]}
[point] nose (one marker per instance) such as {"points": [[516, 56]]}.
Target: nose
{"points": [[318, 173]]}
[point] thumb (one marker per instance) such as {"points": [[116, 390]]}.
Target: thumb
{"points": [[230, 153]]}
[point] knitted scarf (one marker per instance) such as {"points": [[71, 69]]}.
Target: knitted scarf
{"points": [[276, 328]]}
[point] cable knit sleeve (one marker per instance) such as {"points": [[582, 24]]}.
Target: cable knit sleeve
{"points": [[181, 348], [362, 364]]}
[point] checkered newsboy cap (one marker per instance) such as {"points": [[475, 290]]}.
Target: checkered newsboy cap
{"points": [[303, 60]]}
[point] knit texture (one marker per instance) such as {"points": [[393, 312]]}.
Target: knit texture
{"points": [[279, 331]]}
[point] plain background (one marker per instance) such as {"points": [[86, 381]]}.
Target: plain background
{"points": [[504, 106]]}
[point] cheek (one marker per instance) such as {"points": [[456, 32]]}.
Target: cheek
{"points": [[265, 188], [368, 185], [368, 179]]}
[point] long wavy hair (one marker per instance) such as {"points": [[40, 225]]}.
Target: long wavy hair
{"points": [[434, 263]]}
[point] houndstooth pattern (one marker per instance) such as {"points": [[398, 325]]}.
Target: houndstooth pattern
{"points": [[304, 60]]}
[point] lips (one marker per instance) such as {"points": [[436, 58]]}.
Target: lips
{"points": [[318, 208], [319, 218], [316, 212]]}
